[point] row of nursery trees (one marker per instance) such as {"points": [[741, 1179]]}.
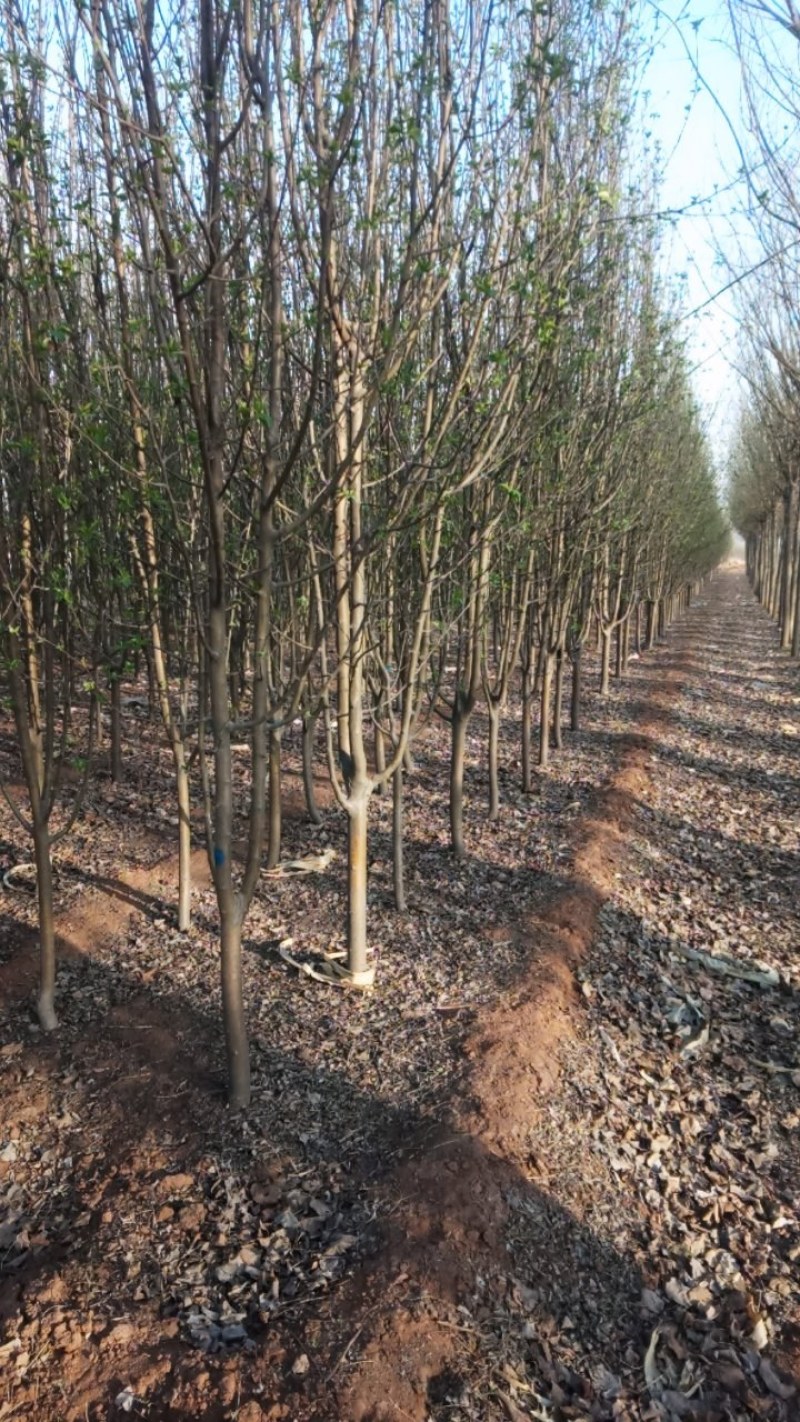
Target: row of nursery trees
{"points": [[336, 382], [765, 457]]}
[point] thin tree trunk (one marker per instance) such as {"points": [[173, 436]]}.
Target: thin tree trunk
{"points": [[457, 756], [775, 572], [794, 574], [605, 663], [116, 731], [650, 634], [34, 707], [494, 742], [184, 836], [358, 810], [380, 750], [220, 852], [233, 1010], [398, 867], [45, 1005], [152, 685], [275, 806], [577, 688], [309, 726], [796, 617], [537, 676], [527, 699], [558, 701], [544, 718], [786, 571]]}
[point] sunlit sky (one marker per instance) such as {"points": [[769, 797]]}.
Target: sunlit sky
{"points": [[700, 160]]}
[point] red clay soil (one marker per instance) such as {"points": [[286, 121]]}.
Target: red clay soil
{"points": [[447, 1201], [387, 1332], [446, 1244], [395, 1338]]}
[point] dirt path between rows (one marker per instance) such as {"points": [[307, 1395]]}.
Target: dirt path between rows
{"points": [[448, 1246], [616, 1221], [593, 1208]]}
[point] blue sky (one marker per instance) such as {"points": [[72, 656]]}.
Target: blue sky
{"points": [[700, 160]]}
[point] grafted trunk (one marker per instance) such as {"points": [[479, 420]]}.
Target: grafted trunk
{"points": [[618, 665], [626, 644], [774, 568], [398, 866], [275, 828], [380, 750], [233, 1008], [527, 707], [577, 688], [237, 678], [786, 571], [46, 1001], [309, 726], [544, 717], [116, 731], [458, 730], [494, 744], [558, 701], [794, 556], [152, 684], [650, 633], [357, 812], [220, 850], [605, 663], [796, 596], [537, 678], [184, 837]]}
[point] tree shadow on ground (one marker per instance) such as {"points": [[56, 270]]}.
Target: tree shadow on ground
{"points": [[738, 1080], [148, 904], [128, 1096], [750, 875], [726, 771]]}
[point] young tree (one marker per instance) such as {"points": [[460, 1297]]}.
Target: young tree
{"points": [[49, 619]]}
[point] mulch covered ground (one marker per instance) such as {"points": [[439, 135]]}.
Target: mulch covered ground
{"points": [[548, 1168]]}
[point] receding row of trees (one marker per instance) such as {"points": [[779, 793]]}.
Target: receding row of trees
{"points": [[336, 384], [765, 456]]}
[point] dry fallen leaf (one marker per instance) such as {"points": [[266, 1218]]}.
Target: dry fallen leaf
{"points": [[774, 1382], [651, 1373]]}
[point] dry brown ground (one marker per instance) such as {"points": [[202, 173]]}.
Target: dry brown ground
{"points": [[546, 1169]]}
